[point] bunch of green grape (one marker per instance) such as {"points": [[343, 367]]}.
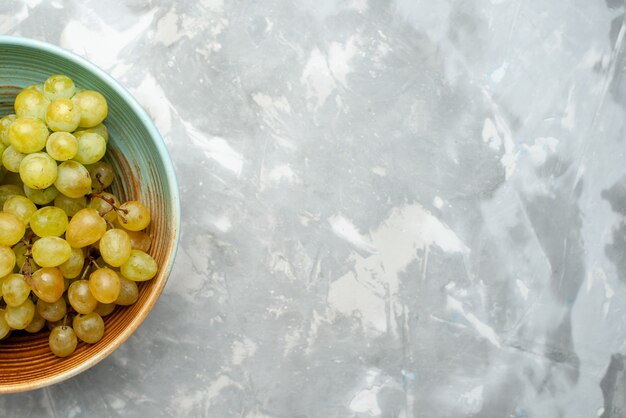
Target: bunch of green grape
{"points": [[70, 251]]}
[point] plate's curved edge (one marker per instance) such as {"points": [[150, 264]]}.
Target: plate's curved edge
{"points": [[171, 178]]}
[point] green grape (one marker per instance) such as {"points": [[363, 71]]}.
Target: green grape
{"points": [[4, 128], [49, 221], [58, 86], [80, 297], [3, 148], [62, 115], [7, 260], [28, 135], [70, 205], [12, 158], [5, 328], [115, 247], [18, 317], [51, 251], [72, 267], [8, 190], [93, 108], [98, 129], [140, 266], [41, 197], [36, 324], [104, 285], [35, 86], [62, 341], [38, 171], [12, 229], [129, 292], [62, 146], [85, 228], [15, 290], [48, 284], [91, 148], [89, 328], [52, 312], [101, 174], [104, 208], [104, 309], [73, 179], [21, 207], [134, 216], [31, 103]]}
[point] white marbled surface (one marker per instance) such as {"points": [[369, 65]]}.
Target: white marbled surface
{"points": [[401, 208]]}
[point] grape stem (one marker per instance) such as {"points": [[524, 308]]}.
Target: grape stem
{"points": [[90, 260], [28, 238], [111, 203], [98, 177], [26, 268], [65, 321]]}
